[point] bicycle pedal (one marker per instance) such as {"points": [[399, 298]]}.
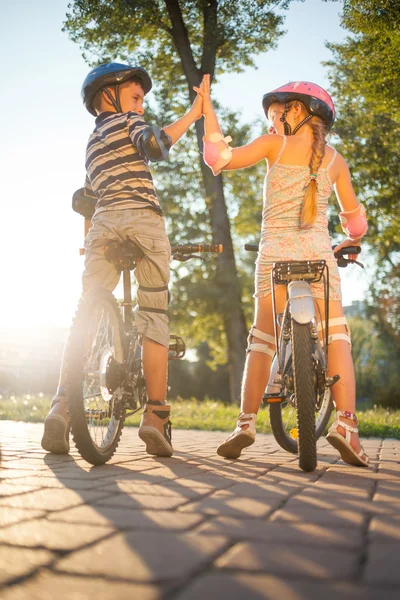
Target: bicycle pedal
{"points": [[272, 398], [177, 347]]}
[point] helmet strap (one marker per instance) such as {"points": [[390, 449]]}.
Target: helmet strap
{"points": [[287, 128], [114, 101], [307, 118]]}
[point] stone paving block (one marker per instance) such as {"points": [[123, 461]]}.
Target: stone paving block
{"points": [[9, 516], [126, 518], [221, 586], [382, 566], [310, 514], [51, 498], [7, 489], [385, 529], [339, 488], [258, 488], [52, 535], [295, 533], [334, 504], [41, 481], [20, 562], [47, 586], [291, 560], [142, 501], [240, 506], [145, 556], [214, 481], [156, 489]]}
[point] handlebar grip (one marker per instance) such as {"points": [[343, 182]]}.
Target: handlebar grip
{"points": [[347, 250], [192, 248], [251, 247]]}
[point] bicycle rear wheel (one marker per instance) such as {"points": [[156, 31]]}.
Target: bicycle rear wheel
{"points": [[305, 389], [95, 359], [283, 418]]}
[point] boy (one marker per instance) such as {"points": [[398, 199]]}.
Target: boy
{"points": [[118, 177]]}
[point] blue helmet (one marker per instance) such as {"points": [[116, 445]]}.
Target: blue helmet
{"points": [[111, 74]]}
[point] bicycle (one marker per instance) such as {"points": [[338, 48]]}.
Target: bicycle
{"points": [[105, 381], [299, 388]]}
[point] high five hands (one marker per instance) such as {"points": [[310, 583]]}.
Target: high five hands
{"points": [[203, 98]]}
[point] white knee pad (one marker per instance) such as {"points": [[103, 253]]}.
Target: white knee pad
{"points": [[337, 336], [254, 332]]}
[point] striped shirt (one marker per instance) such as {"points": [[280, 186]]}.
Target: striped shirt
{"points": [[117, 175]]}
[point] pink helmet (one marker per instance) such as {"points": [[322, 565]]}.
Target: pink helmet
{"points": [[315, 98]]}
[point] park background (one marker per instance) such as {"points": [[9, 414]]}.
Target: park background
{"points": [[350, 47]]}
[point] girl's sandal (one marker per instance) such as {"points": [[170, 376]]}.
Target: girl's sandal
{"points": [[342, 444], [242, 437]]}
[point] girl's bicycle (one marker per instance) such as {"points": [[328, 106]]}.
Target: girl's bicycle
{"points": [[299, 388], [105, 378]]}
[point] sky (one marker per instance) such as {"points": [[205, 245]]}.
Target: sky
{"points": [[44, 134]]}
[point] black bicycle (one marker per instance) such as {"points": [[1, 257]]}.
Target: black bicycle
{"points": [[299, 388], [105, 381]]}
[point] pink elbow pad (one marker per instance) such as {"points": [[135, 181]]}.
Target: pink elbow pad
{"points": [[354, 222], [217, 152], [211, 153]]}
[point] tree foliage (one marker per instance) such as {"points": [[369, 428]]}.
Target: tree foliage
{"points": [[365, 77]]}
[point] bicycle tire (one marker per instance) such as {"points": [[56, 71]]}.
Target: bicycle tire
{"points": [[281, 425], [96, 336], [305, 389]]}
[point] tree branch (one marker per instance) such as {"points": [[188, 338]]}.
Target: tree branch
{"points": [[180, 37]]}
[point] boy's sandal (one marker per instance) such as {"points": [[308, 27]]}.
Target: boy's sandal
{"points": [[342, 444]]}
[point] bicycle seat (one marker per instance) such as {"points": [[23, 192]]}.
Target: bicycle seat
{"points": [[123, 254]]}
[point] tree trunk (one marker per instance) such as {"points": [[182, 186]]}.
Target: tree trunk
{"points": [[227, 279]]}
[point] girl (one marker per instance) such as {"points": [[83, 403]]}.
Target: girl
{"points": [[302, 170]]}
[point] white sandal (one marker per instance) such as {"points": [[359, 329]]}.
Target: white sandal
{"points": [[240, 438], [342, 444]]}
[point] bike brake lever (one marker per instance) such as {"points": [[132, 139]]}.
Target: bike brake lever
{"points": [[343, 262], [184, 258]]}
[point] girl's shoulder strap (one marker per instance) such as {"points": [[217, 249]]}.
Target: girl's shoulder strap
{"points": [[281, 151], [334, 155]]}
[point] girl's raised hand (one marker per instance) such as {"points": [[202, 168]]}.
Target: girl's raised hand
{"points": [[204, 92]]}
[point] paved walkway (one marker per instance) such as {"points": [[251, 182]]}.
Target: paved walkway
{"points": [[196, 527]]}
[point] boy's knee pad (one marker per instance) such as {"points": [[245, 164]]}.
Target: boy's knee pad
{"points": [[254, 332], [217, 152], [337, 336], [354, 222]]}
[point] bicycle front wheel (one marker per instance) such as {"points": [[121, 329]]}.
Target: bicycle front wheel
{"points": [[305, 390], [95, 357]]}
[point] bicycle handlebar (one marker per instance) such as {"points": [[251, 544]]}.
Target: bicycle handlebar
{"points": [[340, 255], [192, 248]]}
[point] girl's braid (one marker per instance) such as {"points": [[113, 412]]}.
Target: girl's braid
{"points": [[309, 209]]}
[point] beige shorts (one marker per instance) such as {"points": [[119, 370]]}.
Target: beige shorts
{"points": [[147, 230]]}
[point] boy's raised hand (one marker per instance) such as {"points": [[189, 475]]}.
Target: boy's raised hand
{"points": [[197, 106]]}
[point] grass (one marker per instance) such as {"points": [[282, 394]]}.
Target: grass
{"points": [[208, 415]]}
